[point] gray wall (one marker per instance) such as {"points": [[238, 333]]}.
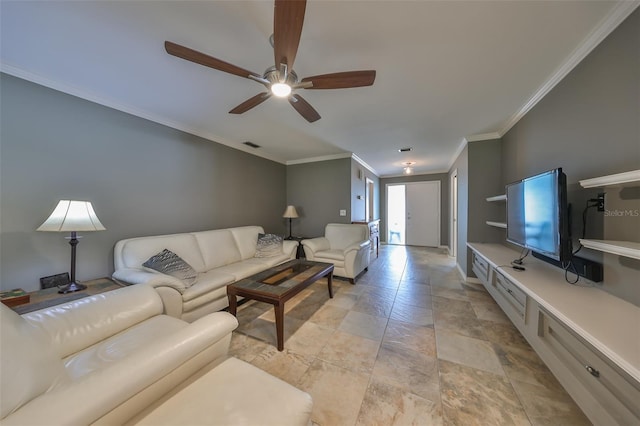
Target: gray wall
{"points": [[359, 175], [142, 178], [443, 178], [589, 125], [319, 191]]}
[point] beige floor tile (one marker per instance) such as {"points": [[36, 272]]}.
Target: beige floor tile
{"points": [[388, 405], [245, 347], [411, 314], [409, 370], [309, 339], [329, 316], [286, 365], [463, 325], [453, 307], [376, 306], [468, 351], [542, 402], [450, 293], [337, 393], [412, 337], [476, 397], [350, 352], [364, 325], [490, 311]]}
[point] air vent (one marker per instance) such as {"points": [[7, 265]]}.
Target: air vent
{"points": [[405, 149], [251, 144]]}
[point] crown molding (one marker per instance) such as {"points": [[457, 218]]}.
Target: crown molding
{"points": [[320, 158], [364, 164], [483, 137], [614, 18], [110, 103]]}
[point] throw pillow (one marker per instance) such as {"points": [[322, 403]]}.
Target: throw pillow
{"points": [[170, 263], [269, 245]]}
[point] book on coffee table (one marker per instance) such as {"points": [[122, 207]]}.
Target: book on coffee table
{"points": [[14, 297]]}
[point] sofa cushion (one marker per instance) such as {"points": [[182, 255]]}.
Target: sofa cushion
{"points": [[115, 348], [206, 283], [133, 252], [268, 262], [218, 248], [29, 366], [243, 269], [170, 263], [246, 237], [268, 245]]}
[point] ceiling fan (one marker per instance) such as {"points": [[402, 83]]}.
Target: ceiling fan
{"points": [[280, 80]]}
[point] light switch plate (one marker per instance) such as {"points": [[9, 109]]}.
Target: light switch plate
{"points": [[343, 212]]}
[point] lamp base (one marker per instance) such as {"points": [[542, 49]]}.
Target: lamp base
{"points": [[72, 287]]}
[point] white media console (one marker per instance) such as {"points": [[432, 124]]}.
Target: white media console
{"points": [[588, 338]]}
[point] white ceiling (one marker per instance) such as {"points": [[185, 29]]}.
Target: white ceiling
{"points": [[447, 71]]}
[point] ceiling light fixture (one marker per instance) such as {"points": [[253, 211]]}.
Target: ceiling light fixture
{"points": [[408, 169], [281, 90]]}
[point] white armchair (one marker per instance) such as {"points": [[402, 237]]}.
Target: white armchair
{"points": [[346, 246]]}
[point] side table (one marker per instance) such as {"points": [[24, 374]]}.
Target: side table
{"points": [[50, 297]]}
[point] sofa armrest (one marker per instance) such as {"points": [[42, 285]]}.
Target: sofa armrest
{"points": [[366, 244], [290, 247], [113, 386], [315, 245], [154, 279]]}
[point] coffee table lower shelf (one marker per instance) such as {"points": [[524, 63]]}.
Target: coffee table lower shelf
{"points": [[277, 285]]}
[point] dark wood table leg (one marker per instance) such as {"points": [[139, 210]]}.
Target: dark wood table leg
{"points": [[233, 304], [279, 311], [330, 284]]}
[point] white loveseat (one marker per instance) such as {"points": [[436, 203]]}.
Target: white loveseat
{"points": [[101, 359], [220, 257], [347, 246]]}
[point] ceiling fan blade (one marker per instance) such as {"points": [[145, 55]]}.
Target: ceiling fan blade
{"points": [[341, 80], [304, 108], [206, 60], [288, 17], [250, 103]]}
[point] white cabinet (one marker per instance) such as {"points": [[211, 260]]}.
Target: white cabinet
{"points": [[606, 382], [588, 338]]}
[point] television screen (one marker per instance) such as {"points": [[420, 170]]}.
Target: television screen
{"points": [[537, 214]]}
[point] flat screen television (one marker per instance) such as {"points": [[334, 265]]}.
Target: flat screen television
{"points": [[537, 214]]}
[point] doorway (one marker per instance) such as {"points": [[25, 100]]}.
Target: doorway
{"points": [[413, 213], [454, 214]]}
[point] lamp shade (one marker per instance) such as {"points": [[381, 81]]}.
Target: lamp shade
{"points": [[290, 212], [69, 216]]}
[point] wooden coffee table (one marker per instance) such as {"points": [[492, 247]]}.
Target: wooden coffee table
{"points": [[277, 285]]}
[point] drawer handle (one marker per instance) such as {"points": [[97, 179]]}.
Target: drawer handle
{"points": [[592, 371]]}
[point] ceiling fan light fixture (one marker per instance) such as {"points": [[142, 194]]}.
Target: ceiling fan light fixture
{"points": [[281, 90]]}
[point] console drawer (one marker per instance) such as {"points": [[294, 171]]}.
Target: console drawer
{"points": [[618, 392], [480, 267], [512, 294]]}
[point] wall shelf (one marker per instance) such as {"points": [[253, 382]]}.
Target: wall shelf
{"points": [[621, 248], [497, 224], [616, 179], [502, 197]]}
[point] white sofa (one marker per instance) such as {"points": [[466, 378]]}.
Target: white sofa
{"points": [[101, 359], [220, 257], [347, 246]]}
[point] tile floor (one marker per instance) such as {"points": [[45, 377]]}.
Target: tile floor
{"points": [[409, 344]]}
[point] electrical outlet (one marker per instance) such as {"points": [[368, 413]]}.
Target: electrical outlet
{"points": [[600, 202], [343, 212]]}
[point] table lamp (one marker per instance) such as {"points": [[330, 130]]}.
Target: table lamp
{"points": [[72, 216], [290, 213]]}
